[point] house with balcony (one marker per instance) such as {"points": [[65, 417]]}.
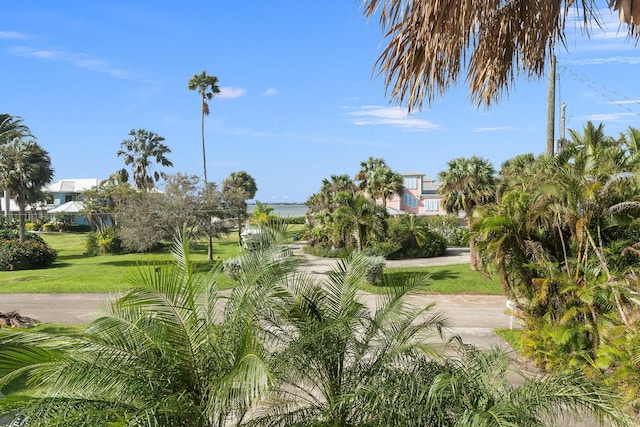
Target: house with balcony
{"points": [[62, 197], [420, 196]]}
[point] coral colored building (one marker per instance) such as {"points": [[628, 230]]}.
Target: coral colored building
{"points": [[420, 196]]}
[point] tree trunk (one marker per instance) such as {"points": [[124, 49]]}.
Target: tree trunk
{"points": [[7, 206], [21, 221], [210, 247], [472, 243]]}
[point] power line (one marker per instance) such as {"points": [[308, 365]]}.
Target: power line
{"points": [[601, 89]]}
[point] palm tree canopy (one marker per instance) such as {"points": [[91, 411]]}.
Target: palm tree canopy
{"points": [[207, 86], [467, 182], [141, 152], [431, 43], [25, 168], [12, 127]]}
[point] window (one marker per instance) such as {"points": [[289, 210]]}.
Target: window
{"points": [[431, 205], [410, 201], [410, 182], [68, 198]]}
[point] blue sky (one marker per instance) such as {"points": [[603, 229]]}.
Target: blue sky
{"points": [[299, 99]]}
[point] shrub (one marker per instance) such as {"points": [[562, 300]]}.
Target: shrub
{"points": [[14, 234], [91, 245], [32, 253], [294, 220], [30, 226], [49, 227], [384, 248], [373, 269], [326, 251], [450, 228], [232, 267], [105, 242]]}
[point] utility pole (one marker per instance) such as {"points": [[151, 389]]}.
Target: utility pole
{"points": [[551, 105], [561, 141]]}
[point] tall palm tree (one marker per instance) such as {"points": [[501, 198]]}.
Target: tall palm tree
{"points": [[25, 168], [430, 43], [140, 152], [207, 87], [467, 183]]}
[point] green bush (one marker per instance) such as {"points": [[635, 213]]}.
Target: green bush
{"points": [[30, 254], [450, 228], [14, 234], [232, 267], [49, 227], [105, 242], [91, 245], [373, 269], [325, 251], [294, 220]]}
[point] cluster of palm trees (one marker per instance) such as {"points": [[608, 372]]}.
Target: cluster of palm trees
{"points": [[563, 234], [344, 214], [25, 167], [283, 348]]}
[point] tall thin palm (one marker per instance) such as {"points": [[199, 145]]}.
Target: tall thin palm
{"points": [[25, 168], [141, 152], [207, 87]]}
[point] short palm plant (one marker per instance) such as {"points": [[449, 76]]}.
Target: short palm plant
{"points": [[171, 352], [336, 356]]}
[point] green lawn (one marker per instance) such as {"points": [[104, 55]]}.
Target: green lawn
{"points": [[446, 279], [75, 272]]}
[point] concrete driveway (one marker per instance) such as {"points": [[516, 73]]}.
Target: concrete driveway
{"points": [[473, 317]]}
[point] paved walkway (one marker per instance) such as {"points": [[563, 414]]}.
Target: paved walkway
{"points": [[473, 317]]}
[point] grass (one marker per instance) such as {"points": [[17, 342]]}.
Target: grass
{"points": [[74, 272], [446, 279]]}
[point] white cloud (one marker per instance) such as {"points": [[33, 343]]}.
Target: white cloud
{"points": [[629, 60], [269, 92], [12, 35], [231, 92], [371, 115], [79, 60], [612, 117], [627, 101]]}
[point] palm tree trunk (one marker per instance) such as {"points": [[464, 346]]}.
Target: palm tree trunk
{"points": [[21, 220], [472, 245], [204, 153], [7, 206]]}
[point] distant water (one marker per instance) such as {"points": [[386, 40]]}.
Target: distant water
{"points": [[284, 210]]}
